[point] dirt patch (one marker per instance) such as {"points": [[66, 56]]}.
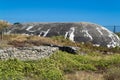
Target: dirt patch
{"points": [[82, 75]]}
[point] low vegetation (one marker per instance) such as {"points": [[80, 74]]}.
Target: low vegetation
{"points": [[56, 66], [18, 40], [90, 60], [118, 33], [3, 24], [112, 73]]}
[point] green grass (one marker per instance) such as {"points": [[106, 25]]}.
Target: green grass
{"points": [[56, 66]]}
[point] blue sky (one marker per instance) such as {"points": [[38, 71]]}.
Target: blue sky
{"points": [[103, 12]]}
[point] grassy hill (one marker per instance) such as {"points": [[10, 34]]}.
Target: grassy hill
{"points": [[90, 60]]}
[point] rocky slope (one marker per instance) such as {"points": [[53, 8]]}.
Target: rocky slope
{"points": [[76, 32], [27, 53]]}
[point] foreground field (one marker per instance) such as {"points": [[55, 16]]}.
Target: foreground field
{"points": [[91, 63], [59, 66]]}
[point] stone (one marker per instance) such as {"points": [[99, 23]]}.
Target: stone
{"points": [[69, 49], [76, 32], [27, 53]]}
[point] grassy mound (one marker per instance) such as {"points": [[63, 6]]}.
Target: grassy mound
{"points": [[91, 58], [56, 66]]}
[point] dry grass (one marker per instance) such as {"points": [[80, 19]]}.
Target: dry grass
{"points": [[82, 75], [3, 24], [112, 73], [23, 40], [4, 44], [18, 40]]}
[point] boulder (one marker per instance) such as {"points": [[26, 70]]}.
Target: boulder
{"points": [[76, 32], [69, 49]]}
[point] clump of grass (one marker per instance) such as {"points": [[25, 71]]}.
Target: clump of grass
{"points": [[118, 33], [112, 73], [4, 44], [63, 41], [29, 70], [23, 40], [84, 75], [3, 24], [11, 69]]}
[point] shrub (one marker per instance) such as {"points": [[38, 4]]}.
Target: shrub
{"points": [[11, 70], [118, 33]]}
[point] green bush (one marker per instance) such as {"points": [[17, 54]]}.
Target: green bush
{"points": [[11, 70]]}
